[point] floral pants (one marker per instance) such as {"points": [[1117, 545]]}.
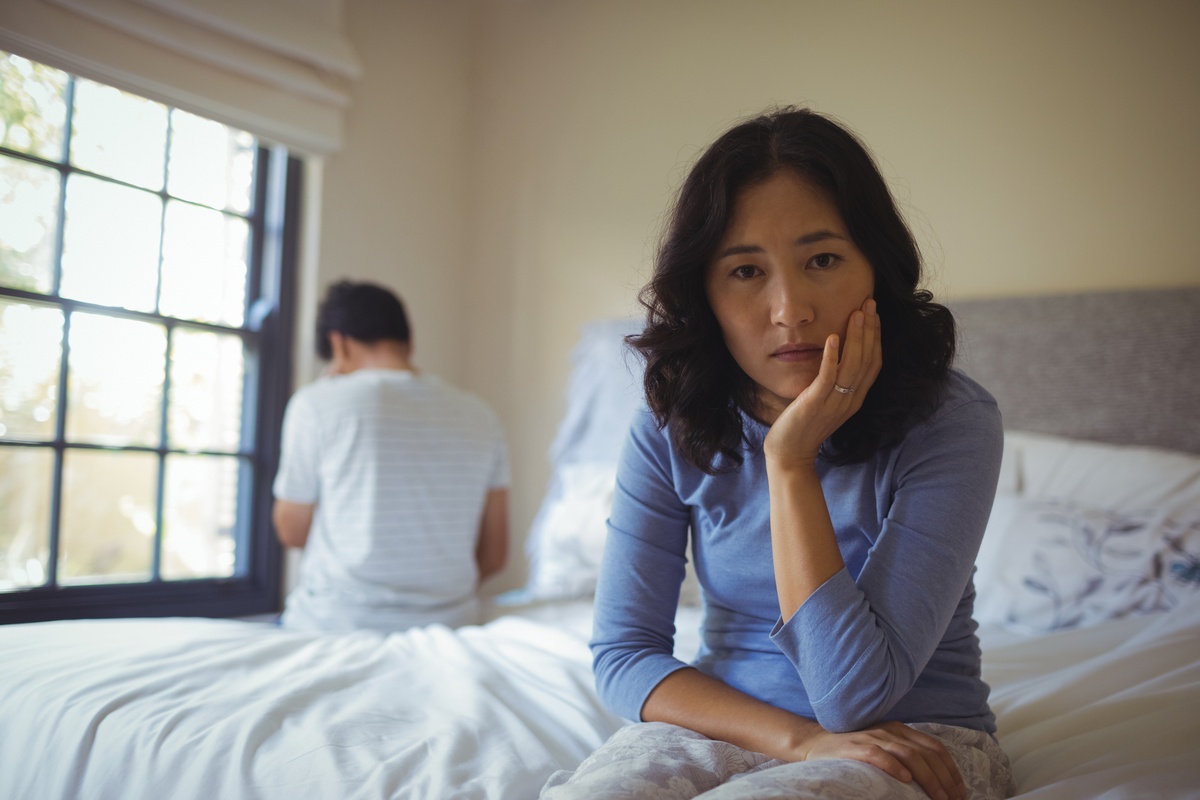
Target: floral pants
{"points": [[657, 761]]}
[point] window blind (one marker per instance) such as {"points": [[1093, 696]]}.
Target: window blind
{"points": [[281, 69]]}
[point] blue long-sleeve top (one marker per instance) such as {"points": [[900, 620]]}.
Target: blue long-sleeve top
{"points": [[889, 637]]}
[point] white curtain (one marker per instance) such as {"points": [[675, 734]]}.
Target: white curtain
{"points": [[281, 69]]}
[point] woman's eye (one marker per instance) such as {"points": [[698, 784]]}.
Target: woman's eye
{"points": [[745, 271], [824, 261]]}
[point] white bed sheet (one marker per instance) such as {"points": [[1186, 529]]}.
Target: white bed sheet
{"points": [[185, 708], [1111, 711]]}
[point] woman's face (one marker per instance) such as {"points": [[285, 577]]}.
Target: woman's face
{"points": [[784, 276]]}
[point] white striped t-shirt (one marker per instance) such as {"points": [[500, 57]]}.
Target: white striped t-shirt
{"points": [[399, 465]]}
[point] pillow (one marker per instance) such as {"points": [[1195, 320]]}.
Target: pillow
{"points": [[1084, 532], [1109, 476], [566, 540], [573, 524], [572, 527], [1049, 565]]}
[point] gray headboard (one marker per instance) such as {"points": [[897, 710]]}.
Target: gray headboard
{"points": [[1120, 367]]}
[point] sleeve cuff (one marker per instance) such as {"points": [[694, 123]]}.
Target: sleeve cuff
{"points": [[818, 638]]}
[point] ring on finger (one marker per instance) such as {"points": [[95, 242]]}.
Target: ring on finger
{"points": [[843, 389]]}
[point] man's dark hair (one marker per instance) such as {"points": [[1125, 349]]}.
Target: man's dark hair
{"points": [[363, 311], [693, 383]]}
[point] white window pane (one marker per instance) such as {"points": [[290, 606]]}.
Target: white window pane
{"points": [[115, 380], [207, 370], [30, 353], [204, 264], [108, 517], [110, 244], [118, 134], [199, 512], [25, 477], [210, 163], [32, 109], [28, 219]]}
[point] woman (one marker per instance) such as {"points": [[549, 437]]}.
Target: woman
{"points": [[836, 474]]}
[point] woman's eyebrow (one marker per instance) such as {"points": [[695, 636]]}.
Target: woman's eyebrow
{"points": [[820, 236], [739, 250], [808, 238]]}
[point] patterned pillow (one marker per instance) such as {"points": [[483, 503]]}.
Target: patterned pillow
{"points": [[1082, 532], [1048, 565]]}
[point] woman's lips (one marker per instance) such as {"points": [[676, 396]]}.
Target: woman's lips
{"points": [[797, 352]]}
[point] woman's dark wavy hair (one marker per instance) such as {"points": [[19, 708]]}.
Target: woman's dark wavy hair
{"points": [[692, 382]]}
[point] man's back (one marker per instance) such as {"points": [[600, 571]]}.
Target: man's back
{"points": [[399, 466]]}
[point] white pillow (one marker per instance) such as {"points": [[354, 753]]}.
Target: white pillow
{"points": [[1085, 532], [566, 540], [1108, 476], [572, 527]]}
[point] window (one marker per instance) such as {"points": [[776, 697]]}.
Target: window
{"points": [[145, 322]]}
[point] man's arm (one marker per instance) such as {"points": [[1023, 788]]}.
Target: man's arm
{"points": [[292, 521], [491, 550]]}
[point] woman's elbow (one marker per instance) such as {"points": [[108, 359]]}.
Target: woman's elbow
{"points": [[605, 673], [612, 671], [846, 720], [846, 711]]}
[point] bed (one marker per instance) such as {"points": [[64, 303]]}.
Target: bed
{"points": [[1089, 603]]}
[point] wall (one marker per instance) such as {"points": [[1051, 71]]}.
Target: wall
{"points": [[392, 204], [508, 162]]}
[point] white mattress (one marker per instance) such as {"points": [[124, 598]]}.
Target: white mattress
{"points": [[194, 708]]}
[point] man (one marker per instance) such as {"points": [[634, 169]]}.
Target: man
{"points": [[393, 482]]}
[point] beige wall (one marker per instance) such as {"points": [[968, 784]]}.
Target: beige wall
{"points": [[507, 162], [392, 204]]}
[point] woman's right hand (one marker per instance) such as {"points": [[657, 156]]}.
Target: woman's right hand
{"points": [[902, 752]]}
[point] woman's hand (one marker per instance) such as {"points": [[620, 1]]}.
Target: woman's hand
{"points": [[691, 699], [833, 397], [902, 752]]}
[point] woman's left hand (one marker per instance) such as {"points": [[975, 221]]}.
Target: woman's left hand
{"points": [[833, 397]]}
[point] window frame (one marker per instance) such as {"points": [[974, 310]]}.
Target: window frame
{"points": [[255, 589]]}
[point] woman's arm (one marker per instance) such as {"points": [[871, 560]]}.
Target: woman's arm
{"points": [[859, 643], [803, 541], [693, 700]]}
